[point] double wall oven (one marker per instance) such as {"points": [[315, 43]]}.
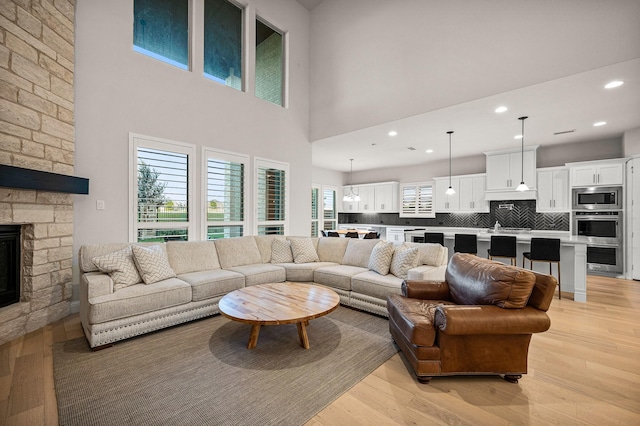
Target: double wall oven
{"points": [[597, 216]]}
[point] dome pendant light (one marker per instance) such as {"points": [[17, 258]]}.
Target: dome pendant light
{"points": [[450, 190], [523, 186], [351, 195]]}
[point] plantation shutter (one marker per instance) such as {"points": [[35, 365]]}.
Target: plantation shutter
{"points": [[271, 197], [417, 200]]}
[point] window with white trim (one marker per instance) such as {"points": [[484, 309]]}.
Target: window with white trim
{"points": [[271, 189], [329, 208], [269, 63], [417, 199], [226, 186], [223, 42], [160, 190]]}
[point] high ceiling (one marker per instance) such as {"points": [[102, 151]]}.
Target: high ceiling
{"points": [[422, 68]]}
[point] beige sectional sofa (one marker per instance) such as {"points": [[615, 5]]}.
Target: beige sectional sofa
{"points": [[201, 273]]}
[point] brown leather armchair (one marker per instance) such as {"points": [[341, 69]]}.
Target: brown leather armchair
{"points": [[479, 321]]}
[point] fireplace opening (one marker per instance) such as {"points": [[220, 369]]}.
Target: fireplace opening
{"points": [[9, 264]]}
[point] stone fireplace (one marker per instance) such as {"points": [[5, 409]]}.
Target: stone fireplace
{"points": [[37, 133]]}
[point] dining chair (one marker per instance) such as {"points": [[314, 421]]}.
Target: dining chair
{"points": [[351, 234], [503, 246], [544, 250], [372, 236], [333, 234]]}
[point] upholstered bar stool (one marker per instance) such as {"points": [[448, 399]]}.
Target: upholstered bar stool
{"points": [[503, 246], [466, 243], [434, 237], [544, 250]]}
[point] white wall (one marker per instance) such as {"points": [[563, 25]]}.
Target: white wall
{"points": [[328, 177], [119, 91], [631, 142]]}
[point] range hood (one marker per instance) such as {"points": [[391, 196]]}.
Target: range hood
{"points": [[504, 195], [19, 178]]}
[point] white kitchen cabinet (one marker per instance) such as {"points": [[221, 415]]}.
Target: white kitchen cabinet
{"points": [[349, 206], [395, 235], [386, 197], [367, 198], [447, 203], [472, 190], [553, 190], [597, 174], [504, 169]]}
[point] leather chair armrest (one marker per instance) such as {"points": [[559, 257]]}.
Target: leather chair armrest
{"points": [[426, 290], [489, 319]]}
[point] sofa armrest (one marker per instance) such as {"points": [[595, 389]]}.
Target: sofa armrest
{"points": [[96, 284], [426, 290], [489, 319]]}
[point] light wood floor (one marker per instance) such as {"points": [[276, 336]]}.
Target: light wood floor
{"points": [[584, 371]]}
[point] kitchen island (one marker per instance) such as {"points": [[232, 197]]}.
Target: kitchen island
{"points": [[573, 253]]}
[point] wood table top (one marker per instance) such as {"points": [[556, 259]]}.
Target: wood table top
{"points": [[278, 303]]}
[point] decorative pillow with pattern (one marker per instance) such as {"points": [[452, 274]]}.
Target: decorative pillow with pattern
{"points": [[281, 251], [381, 255], [303, 250], [120, 267], [403, 260], [152, 263]]}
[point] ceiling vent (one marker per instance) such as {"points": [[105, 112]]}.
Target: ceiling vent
{"points": [[566, 131], [410, 148]]}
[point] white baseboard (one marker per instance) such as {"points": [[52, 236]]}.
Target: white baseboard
{"points": [[75, 306]]}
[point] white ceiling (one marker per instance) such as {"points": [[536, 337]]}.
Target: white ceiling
{"points": [[561, 88]]}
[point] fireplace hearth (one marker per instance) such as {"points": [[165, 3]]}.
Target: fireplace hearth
{"points": [[9, 264]]}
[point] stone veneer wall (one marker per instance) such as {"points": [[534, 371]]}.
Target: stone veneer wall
{"points": [[37, 132]]}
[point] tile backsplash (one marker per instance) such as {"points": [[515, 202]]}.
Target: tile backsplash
{"points": [[510, 214]]}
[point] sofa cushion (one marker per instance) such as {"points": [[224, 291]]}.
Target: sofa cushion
{"points": [[138, 299], [427, 273], [303, 250], [375, 285], [358, 252], [261, 273], [303, 272], [331, 249], [430, 254], [120, 266], [381, 255], [338, 276], [281, 251], [192, 256], [238, 251], [404, 258], [208, 284], [265, 245], [477, 281], [152, 263]]}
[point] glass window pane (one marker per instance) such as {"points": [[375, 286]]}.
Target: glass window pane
{"points": [[161, 30], [271, 230], [225, 191], [215, 232], [271, 194], [314, 203], [162, 186], [269, 63], [329, 204], [223, 42], [162, 235]]}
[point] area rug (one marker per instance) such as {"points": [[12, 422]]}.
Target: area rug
{"points": [[201, 373]]}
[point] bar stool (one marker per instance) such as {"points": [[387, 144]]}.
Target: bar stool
{"points": [[466, 243], [503, 246], [544, 250], [434, 237]]}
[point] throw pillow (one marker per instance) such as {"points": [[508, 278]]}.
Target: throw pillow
{"points": [[152, 263], [120, 267], [281, 251], [403, 260], [303, 250], [381, 255]]}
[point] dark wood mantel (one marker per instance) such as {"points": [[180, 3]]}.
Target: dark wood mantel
{"points": [[17, 177]]}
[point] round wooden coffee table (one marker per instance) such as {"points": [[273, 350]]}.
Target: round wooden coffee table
{"points": [[279, 303]]}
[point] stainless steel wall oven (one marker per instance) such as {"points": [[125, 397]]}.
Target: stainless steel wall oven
{"points": [[604, 233]]}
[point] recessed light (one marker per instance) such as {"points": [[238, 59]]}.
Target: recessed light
{"points": [[501, 109], [517, 137], [599, 123], [614, 83], [393, 133], [429, 151]]}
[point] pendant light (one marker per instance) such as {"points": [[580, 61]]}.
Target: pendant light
{"points": [[351, 195], [450, 190], [523, 186]]}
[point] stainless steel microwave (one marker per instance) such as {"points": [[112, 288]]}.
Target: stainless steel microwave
{"points": [[597, 198]]}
